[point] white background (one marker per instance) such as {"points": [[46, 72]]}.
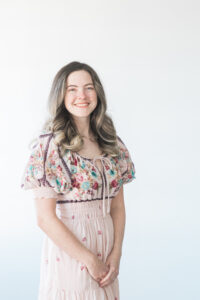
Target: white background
{"points": [[147, 56]]}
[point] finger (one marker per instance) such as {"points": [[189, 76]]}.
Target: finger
{"points": [[107, 282], [105, 273], [106, 277], [98, 279]]}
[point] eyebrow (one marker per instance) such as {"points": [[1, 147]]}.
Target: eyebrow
{"points": [[76, 85]]}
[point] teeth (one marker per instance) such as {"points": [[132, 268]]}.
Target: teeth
{"points": [[82, 105]]}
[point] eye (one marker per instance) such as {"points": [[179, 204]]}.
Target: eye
{"points": [[71, 90], [90, 88]]}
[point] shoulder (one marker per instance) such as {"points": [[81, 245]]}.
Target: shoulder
{"points": [[51, 148], [125, 155], [120, 141], [127, 166], [45, 141], [122, 146], [44, 136], [44, 148], [45, 166]]}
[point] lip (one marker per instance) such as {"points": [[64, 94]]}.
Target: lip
{"points": [[82, 105]]}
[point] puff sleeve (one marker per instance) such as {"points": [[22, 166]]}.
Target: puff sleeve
{"points": [[126, 165], [46, 172]]}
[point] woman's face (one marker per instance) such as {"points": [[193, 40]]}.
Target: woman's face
{"points": [[80, 98]]}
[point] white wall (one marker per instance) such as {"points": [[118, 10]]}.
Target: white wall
{"points": [[147, 56]]}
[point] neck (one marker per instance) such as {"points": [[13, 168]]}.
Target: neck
{"points": [[83, 126]]}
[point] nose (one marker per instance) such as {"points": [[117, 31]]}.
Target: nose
{"points": [[81, 93]]}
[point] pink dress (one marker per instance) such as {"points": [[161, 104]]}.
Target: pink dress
{"points": [[83, 196]]}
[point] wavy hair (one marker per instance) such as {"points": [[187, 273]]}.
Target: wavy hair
{"points": [[61, 121]]}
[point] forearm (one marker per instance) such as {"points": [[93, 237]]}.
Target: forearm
{"points": [[65, 239], [118, 215]]}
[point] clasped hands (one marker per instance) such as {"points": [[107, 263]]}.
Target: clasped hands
{"points": [[105, 273]]}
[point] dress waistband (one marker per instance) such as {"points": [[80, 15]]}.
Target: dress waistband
{"points": [[84, 209]]}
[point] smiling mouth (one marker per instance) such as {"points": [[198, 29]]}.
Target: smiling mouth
{"points": [[82, 104]]}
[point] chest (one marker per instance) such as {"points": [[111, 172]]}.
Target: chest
{"points": [[90, 151], [93, 171], [99, 165]]}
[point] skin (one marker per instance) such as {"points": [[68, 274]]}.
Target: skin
{"points": [[83, 92], [103, 273]]}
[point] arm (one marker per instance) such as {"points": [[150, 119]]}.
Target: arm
{"points": [[118, 214], [48, 221]]}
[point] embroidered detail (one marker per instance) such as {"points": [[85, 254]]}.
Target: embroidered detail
{"points": [[99, 232], [61, 175], [95, 186], [112, 172], [75, 201], [94, 174], [114, 183], [73, 169], [85, 185], [83, 165]]}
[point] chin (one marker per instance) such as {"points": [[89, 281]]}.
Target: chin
{"points": [[79, 115], [82, 113]]}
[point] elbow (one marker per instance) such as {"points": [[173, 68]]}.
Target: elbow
{"points": [[40, 221]]}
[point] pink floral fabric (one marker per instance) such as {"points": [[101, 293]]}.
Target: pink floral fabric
{"points": [[83, 196]]}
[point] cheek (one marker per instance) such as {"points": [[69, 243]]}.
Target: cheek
{"points": [[92, 98], [68, 101]]}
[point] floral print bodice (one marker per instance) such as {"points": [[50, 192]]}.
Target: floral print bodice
{"points": [[74, 178]]}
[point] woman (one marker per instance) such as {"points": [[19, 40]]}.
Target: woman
{"points": [[77, 170]]}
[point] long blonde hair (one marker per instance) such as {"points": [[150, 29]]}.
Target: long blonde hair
{"points": [[61, 122]]}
